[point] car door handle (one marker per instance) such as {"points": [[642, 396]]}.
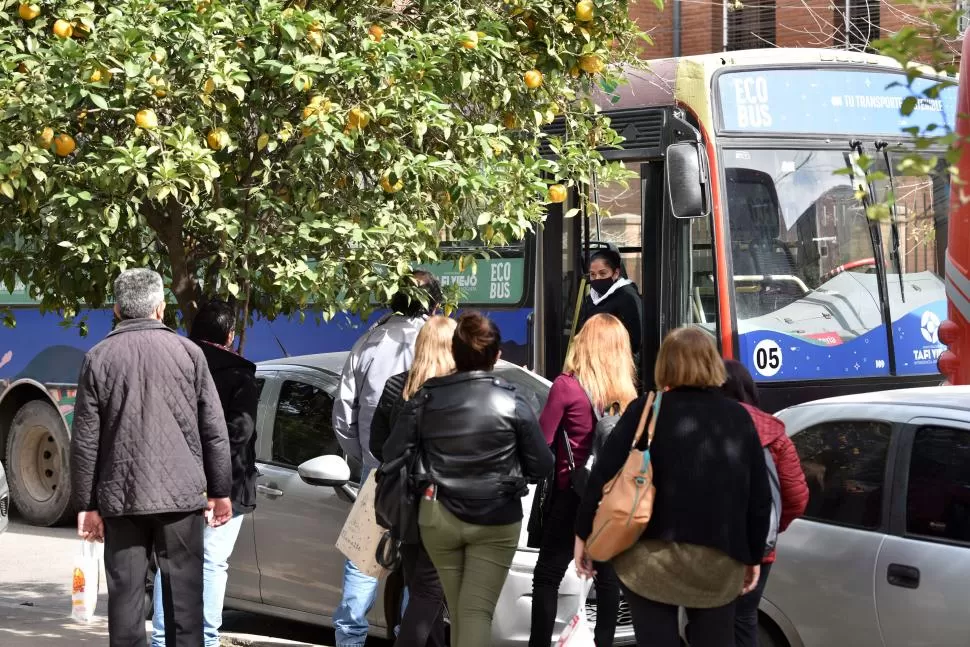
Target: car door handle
{"points": [[903, 576], [269, 491]]}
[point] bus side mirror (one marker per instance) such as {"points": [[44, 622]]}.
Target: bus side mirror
{"points": [[686, 179]]}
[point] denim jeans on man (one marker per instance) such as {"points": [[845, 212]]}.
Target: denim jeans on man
{"points": [[359, 593], [218, 547]]}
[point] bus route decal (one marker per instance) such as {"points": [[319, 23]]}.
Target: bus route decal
{"points": [[819, 101]]}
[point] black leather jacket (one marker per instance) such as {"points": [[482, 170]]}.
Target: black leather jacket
{"points": [[480, 441]]}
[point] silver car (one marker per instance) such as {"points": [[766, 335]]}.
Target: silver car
{"points": [[4, 501], [285, 563], [882, 556]]}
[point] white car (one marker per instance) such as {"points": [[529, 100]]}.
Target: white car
{"points": [[881, 557], [285, 563]]}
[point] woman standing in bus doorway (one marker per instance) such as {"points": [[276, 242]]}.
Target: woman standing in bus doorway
{"points": [[791, 479], [706, 537], [423, 623], [481, 445], [610, 293], [599, 372]]}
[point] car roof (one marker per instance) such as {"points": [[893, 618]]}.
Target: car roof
{"points": [[332, 363], [942, 397]]}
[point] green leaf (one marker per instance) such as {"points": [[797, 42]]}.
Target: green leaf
{"points": [[6, 189], [98, 101]]}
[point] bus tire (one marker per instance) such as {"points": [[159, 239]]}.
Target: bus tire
{"points": [[38, 465]]}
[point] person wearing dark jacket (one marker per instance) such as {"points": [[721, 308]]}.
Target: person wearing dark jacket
{"points": [[599, 369], [424, 618], [149, 453], [794, 490], [612, 294], [481, 445], [213, 329], [706, 538]]}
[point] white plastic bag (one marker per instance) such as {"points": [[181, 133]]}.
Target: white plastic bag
{"points": [[86, 580], [578, 633]]}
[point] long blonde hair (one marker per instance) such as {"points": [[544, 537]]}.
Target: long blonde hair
{"points": [[432, 354], [601, 359]]}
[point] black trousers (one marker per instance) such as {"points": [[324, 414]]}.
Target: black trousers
{"points": [[656, 624], [176, 539], [555, 554], [746, 613], [424, 619]]}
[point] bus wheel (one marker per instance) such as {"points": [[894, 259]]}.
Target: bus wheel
{"points": [[38, 451]]}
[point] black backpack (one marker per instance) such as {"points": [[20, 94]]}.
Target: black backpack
{"points": [[605, 422]]}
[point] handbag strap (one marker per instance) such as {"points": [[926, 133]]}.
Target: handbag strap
{"points": [[651, 409], [568, 448]]}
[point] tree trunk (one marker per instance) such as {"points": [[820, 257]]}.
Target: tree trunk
{"points": [[243, 323], [168, 226]]}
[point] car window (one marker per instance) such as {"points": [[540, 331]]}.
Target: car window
{"points": [[303, 428], [534, 391], [938, 495], [845, 466]]}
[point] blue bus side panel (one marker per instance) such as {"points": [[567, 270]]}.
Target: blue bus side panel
{"points": [[39, 348]]}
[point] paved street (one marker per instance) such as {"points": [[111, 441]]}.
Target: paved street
{"points": [[35, 576]]}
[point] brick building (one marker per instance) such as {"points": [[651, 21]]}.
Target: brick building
{"points": [[707, 26]]}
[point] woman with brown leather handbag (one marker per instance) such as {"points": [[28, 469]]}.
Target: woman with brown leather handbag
{"points": [[699, 536]]}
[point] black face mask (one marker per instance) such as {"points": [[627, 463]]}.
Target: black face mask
{"points": [[602, 286]]}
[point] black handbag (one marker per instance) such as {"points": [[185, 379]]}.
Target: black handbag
{"points": [[396, 500]]}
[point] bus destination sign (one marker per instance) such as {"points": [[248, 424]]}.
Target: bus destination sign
{"points": [[816, 102]]}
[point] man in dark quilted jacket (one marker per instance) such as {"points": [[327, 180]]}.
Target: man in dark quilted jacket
{"points": [[149, 456]]}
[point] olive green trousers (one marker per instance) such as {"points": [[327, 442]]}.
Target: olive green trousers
{"points": [[472, 562]]}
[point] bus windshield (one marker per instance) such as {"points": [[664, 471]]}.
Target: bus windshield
{"points": [[806, 271]]}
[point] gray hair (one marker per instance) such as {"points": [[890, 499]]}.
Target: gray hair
{"points": [[138, 292]]}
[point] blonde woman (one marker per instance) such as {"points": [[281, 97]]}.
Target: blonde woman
{"points": [[599, 372], [423, 622], [706, 538]]}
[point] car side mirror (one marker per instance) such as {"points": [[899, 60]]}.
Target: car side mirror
{"points": [[688, 189], [327, 471]]}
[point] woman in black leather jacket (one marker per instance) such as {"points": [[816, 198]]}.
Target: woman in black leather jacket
{"points": [[481, 446]]}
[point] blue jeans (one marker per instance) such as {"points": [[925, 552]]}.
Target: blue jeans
{"points": [[218, 543], [359, 593]]}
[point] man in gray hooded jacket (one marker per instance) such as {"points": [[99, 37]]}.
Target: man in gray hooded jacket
{"points": [[149, 453], [385, 350]]}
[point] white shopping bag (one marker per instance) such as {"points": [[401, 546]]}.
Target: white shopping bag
{"points": [[360, 535], [86, 580], [578, 633]]}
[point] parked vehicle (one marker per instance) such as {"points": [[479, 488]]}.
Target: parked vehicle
{"points": [[4, 501], [285, 563], [882, 555]]}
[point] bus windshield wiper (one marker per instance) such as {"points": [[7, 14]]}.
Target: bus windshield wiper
{"points": [[867, 191], [883, 147]]}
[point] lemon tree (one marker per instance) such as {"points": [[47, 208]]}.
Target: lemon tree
{"points": [[283, 154]]}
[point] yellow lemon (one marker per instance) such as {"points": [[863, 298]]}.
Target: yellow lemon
{"points": [[28, 11], [533, 79], [391, 188], [63, 29], [217, 139], [45, 138], [584, 10], [146, 119], [64, 145], [557, 193], [209, 86], [376, 33], [591, 63], [262, 142], [470, 40]]}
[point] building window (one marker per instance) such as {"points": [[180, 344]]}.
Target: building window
{"points": [[750, 24], [857, 24], [963, 8]]}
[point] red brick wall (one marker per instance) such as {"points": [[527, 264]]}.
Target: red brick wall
{"points": [[799, 23]]}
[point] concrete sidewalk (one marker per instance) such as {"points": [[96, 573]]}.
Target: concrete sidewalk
{"points": [[35, 600]]}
